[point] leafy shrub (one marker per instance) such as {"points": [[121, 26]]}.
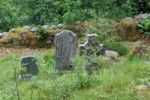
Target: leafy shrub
{"points": [[22, 12], [145, 26], [83, 80], [42, 33], [104, 28], [116, 46], [78, 15]]}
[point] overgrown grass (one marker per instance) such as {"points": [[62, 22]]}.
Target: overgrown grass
{"points": [[116, 80]]}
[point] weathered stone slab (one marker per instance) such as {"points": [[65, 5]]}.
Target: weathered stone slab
{"points": [[29, 64], [66, 45]]}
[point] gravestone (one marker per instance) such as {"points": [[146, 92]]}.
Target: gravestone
{"points": [[66, 45], [29, 65], [91, 49]]}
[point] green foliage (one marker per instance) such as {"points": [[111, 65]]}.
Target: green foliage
{"points": [[145, 27], [7, 18], [42, 33], [22, 12], [104, 28], [116, 46]]}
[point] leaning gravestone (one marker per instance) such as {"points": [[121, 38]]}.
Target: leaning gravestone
{"points": [[66, 45], [29, 67]]}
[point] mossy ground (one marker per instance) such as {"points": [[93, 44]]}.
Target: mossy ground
{"points": [[116, 81]]}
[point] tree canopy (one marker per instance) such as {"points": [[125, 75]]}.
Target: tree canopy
{"points": [[36, 12]]}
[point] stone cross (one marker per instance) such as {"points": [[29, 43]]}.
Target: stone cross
{"points": [[29, 63], [66, 45], [91, 49]]}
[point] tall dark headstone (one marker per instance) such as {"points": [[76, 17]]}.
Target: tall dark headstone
{"points": [[66, 45]]}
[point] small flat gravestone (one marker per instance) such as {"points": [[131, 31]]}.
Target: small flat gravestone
{"points": [[29, 66], [66, 45]]}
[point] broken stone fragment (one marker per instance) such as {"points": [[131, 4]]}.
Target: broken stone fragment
{"points": [[34, 29]]}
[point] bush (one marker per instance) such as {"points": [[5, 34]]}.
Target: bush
{"points": [[118, 47], [42, 33], [145, 27], [22, 12], [104, 28]]}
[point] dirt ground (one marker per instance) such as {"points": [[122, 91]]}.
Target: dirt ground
{"points": [[20, 51]]}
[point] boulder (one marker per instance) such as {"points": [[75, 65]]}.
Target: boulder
{"points": [[61, 26], [45, 26], [141, 17], [34, 29], [3, 34], [53, 27], [111, 54]]}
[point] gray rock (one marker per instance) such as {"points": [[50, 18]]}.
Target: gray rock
{"points": [[66, 45], [112, 54], [27, 27], [29, 65], [141, 17], [49, 40], [34, 29], [3, 34], [61, 26], [45, 26], [53, 27]]}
